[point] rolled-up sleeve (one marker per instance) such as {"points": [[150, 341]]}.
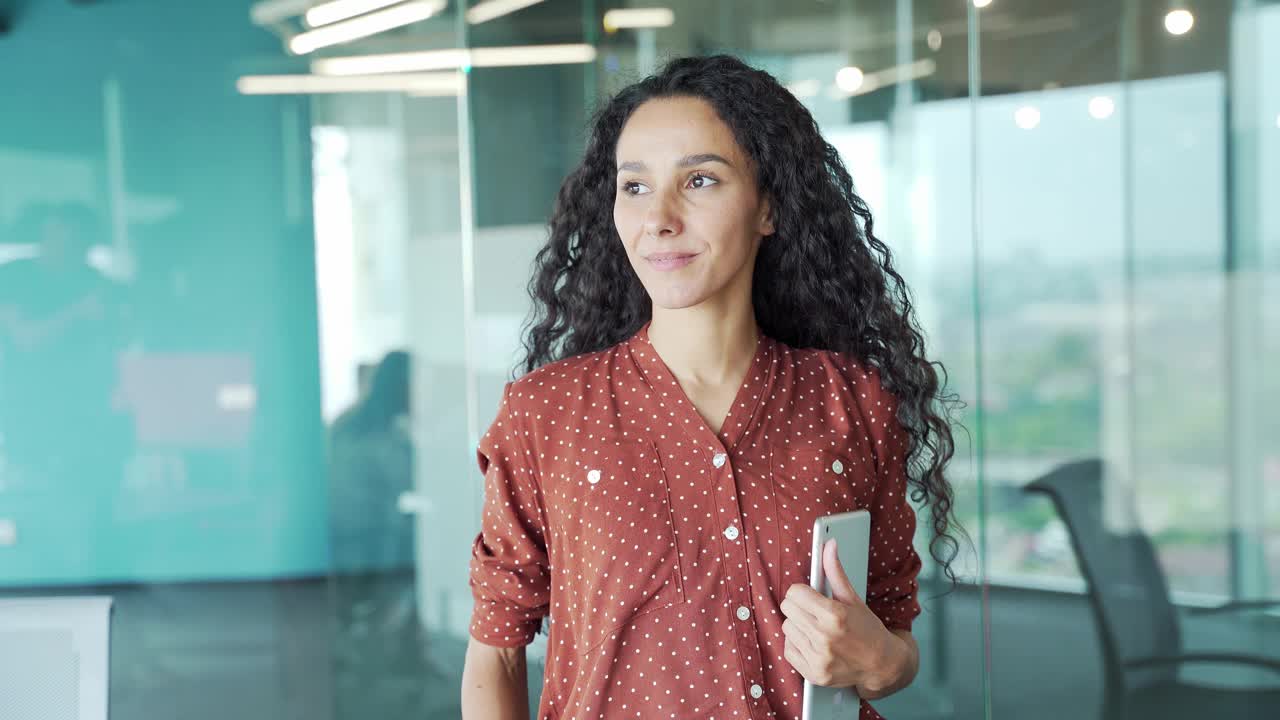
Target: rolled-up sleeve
{"points": [[509, 572], [894, 564]]}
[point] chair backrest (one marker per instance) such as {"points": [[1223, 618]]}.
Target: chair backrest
{"points": [[54, 658], [1128, 591]]}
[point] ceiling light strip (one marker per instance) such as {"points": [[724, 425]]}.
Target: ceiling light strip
{"points": [[366, 25], [455, 58], [444, 83]]}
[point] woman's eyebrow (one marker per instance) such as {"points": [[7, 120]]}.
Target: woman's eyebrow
{"points": [[686, 161], [689, 160]]}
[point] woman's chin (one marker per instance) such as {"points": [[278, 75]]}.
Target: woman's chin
{"points": [[677, 298]]}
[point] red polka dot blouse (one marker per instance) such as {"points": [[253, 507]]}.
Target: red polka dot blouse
{"points": [[659, 550]]}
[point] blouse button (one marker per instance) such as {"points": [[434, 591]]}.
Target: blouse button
{"points": [[744, 613], [837, 467], [756, 691], [719, 460], [593, 477], [731, 532]]}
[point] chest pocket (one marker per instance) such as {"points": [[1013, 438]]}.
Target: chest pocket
{"points": [[614, 547], [809, 482]]}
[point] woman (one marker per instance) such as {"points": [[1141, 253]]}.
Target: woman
{"points": [[721, 352]]}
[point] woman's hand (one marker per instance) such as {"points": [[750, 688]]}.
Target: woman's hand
{"points": [[838, 641]]}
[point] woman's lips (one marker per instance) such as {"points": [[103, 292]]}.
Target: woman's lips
{"points": [[670, 261]]}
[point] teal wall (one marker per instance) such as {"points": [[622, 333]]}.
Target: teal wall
{"points": [[218, 217]]}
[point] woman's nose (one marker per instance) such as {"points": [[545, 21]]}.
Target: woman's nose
{"points": [[662, 217]]}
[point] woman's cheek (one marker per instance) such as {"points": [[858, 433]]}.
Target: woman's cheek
{"points": [[627, 221]]}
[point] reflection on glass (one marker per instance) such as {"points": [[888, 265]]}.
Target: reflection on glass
{"points": [[64, 324]]}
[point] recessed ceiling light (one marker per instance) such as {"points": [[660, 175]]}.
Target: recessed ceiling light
{"points": [[1179, 22], [1101, 107], [1027, 117], [849, 79]]}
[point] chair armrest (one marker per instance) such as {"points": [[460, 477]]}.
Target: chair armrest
{"points": [[1256, 661], [1237, 606]]}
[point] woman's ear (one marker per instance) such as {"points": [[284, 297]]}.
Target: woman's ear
{"points": [[764, 224]]}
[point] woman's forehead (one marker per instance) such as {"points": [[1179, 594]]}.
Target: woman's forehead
{"points": [[666, 130]]}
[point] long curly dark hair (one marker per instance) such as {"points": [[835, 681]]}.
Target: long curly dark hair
{"points": [[586, 297]]}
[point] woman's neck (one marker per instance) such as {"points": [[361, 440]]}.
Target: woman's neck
{"points": [[704, 347]]}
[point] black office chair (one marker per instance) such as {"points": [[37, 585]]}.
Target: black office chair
{"points": [[1137, 623]]}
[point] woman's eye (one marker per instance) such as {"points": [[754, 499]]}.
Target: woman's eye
{"points": [[633, 188], [701, 181]]}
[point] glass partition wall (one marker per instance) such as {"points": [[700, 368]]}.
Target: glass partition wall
{"points": [[309, 245]]}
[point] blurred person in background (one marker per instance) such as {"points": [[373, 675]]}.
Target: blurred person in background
{"points": [[63, 324], [371, 465]]}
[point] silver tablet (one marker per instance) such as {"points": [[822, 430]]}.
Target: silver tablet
{"points": [[852, 533]]}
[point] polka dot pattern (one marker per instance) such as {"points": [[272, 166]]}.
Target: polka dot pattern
{"points": [[659, 569]]}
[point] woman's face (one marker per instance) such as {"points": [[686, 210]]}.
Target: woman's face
{"points": [[687, 207]]}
